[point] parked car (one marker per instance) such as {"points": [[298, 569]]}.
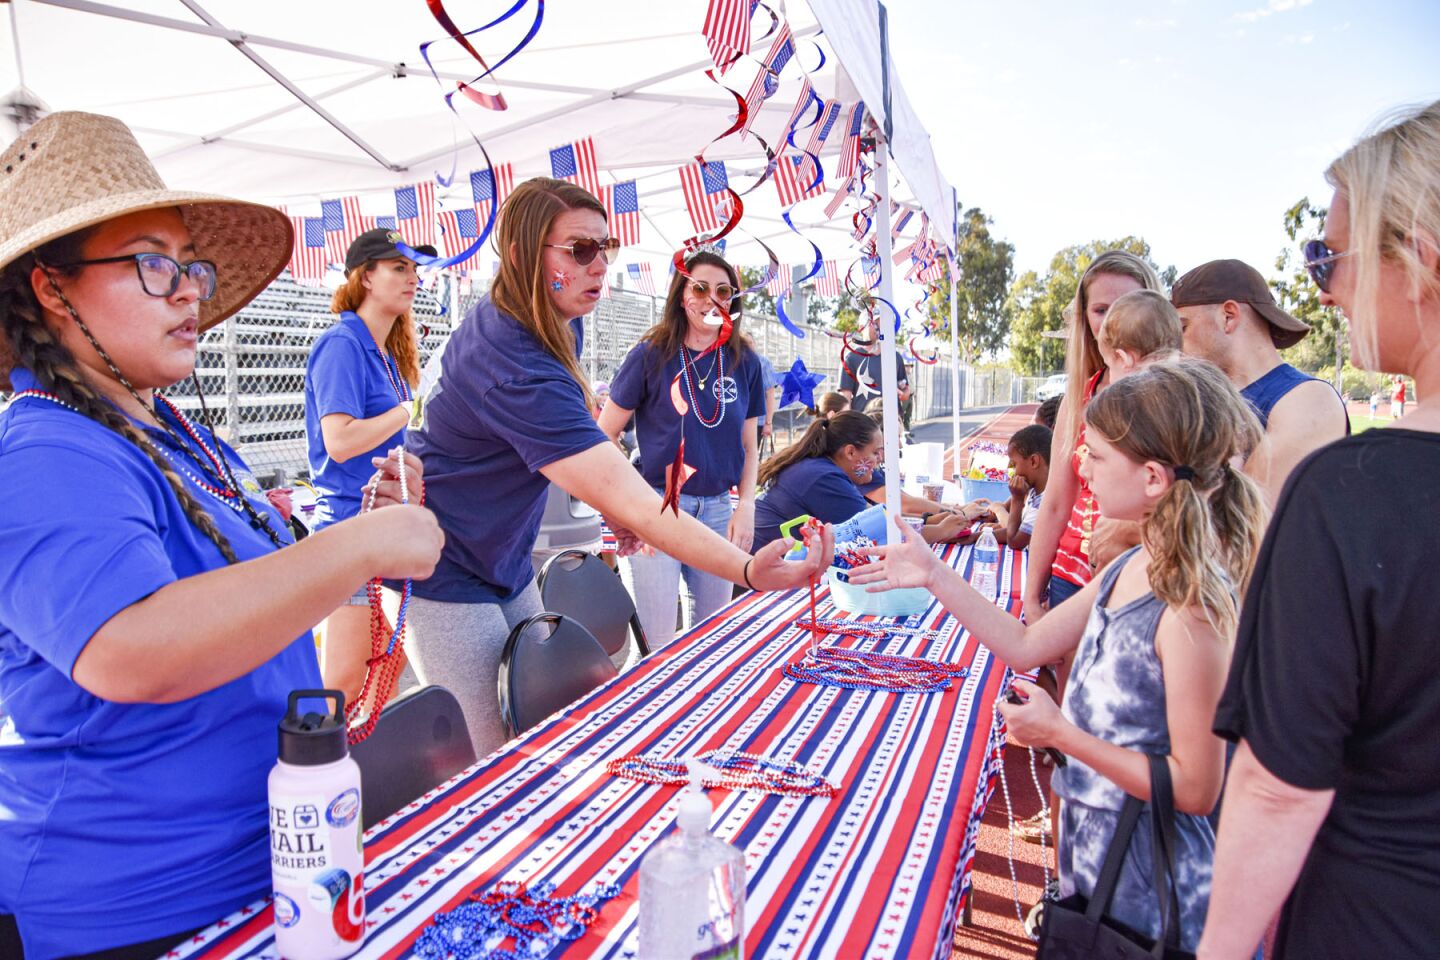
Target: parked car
{"points": [[1052, 387]]}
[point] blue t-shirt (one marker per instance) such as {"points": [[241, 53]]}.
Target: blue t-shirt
{"points": [[718, 453], [502, 409], [120, 822], [347, 373], [815, 486], [876, 481]]}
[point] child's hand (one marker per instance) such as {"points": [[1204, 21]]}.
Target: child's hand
{"points": [[1035, 723], [1019, 487], [910, 563]]}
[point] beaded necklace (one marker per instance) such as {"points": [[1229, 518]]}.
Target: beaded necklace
{"points": [[859, 670], [689, 375], [1010, 818], [536, 919], [738, 771]]}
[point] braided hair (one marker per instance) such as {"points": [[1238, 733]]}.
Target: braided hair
{"points": [[39, 350]]}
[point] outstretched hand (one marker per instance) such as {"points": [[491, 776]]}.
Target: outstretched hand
{"points": [[771, 571], [910, 563]]}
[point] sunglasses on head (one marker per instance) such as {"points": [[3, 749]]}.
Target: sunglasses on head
{"points": [[723, 291], [586, 249], [1320, 262]]}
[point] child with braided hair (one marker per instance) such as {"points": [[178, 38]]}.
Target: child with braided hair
{"points": [[151, 625]]}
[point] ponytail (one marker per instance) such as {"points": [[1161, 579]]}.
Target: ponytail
{"points": [[823, 438]]}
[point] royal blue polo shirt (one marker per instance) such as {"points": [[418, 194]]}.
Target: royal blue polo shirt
{"points": [[814, 486], [502, 409], [716, 452], [346, 373], [120, 822]]}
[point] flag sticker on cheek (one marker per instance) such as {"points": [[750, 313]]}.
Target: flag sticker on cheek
{"points": [[560, 281]]}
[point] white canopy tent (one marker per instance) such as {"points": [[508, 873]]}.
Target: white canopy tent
{"points": [[291, 103]]}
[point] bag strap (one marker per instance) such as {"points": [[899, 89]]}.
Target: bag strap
{"points": [[1162, 854], [1099, 904]]}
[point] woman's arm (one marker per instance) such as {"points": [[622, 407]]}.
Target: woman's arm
{"points": [[742, 521], [1054, 514], [604, 479], [196, 634], [1266, 829], [346, 437], [613, 419]]}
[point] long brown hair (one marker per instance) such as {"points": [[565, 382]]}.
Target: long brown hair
{"points": [[669, 333], [520, 288], [400, 342], [39, 350], [824, 438], [1204, 532]]}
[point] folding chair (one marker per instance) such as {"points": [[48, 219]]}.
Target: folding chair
{"points": [[548, 663], [581, 586], [419, 742]]}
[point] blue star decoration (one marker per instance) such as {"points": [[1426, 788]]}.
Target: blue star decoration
{"points": [[799, 383]]}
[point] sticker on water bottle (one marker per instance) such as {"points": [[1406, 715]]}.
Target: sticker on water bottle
{"points": [[343, 809], [287, 912]]}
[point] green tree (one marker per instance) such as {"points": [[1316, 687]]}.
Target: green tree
{"points": [[1326, 344], [1037, 303], [986, 268]]}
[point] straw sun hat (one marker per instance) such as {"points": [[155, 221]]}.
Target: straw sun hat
{"points": [[75, 170]]}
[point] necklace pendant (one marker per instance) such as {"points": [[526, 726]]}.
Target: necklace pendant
{"points": [[702, 383]]}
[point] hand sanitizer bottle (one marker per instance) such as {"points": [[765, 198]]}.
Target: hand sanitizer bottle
{"points": [[692, 888]]}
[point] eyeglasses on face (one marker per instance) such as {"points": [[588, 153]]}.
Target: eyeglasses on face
{"points": [[586, 249], [1320, 261], [723, 291], [160, 275]]}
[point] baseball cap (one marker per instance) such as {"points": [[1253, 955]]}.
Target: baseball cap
{"points": [[1221, 280], [379, 244]]}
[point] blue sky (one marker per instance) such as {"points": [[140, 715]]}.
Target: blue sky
{"points": [[1192, 123]]}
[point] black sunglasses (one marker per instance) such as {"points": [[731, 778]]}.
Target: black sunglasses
{"points": [[160, 275], [1320, 262], [586, 249]]}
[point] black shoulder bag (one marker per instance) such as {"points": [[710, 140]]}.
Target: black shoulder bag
{"points": [[1080, 929]]}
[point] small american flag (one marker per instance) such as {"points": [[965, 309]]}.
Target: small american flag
{"points": [[900, 215], [576, 162], [484, 192], [850, 148], [903, 253], [807, 95], [934, 271], [622, 205], [841, 192], [605, 285], [818, 133], [707, 194], [371, 223], [640, 275], [727, 30], [766, 82], [789, 185], [827, 281], [415, 212], [308, 260], [458, 230], [779, 284], [342, 226]]}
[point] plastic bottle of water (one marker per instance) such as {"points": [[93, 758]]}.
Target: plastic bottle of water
{"points": [[692, 888], [985, 565]]}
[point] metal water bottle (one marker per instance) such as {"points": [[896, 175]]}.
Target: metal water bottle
{"points": [[317, 854]]}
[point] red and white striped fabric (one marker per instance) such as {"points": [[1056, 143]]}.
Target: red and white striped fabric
{"points": [[879, 870], [707, 198], [807, 93], [790, 186], [779, 284], [727, 31], [622, 209], [343, 223], [576, 162], [827, 281], [458, 230]]}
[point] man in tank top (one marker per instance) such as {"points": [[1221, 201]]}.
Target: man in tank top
{"points": [[1231, 319]]}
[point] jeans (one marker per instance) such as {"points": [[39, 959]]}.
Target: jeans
{"points": [[654, 582], [1061, 590]]}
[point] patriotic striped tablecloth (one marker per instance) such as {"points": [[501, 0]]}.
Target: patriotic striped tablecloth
{"points": [[877, 871]]}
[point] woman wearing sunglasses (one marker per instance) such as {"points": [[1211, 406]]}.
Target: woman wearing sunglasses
{"points": [[151, 625], [510, 414], [1334, 793], [721, 397]]}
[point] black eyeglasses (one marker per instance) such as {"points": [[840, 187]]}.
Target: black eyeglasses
{"points": [[585, 249], [160, 275], [1320, 262], [723, 291]]}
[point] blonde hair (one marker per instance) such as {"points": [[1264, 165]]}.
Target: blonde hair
{"points": [[1391, 180], [1143, 323], [521, 289], [1204, 532], [400, 342], [1082, 355]]}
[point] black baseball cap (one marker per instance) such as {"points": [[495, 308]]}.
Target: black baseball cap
{"points": [[379, 244]]}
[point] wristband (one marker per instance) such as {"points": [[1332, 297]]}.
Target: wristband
{"points": [[747, 573]]}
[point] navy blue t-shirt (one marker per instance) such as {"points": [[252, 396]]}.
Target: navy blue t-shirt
{"points": [[502, 409], [815, 486], [868, 368], [150, 817], [876, 481], [347, 373], [718, 453]]}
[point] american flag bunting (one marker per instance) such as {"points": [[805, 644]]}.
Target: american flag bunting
{"points": [[727, 30], [779, 284], [372, 223], [576, 162], [415, 212], [308, 260], [807, 95], [790, 185], [641, 277], [827, 281], [767, 81], [488, 189], [458, 230], [850, 147], [707, 195], [342, 225], [821, 132], [841, 192], [622, 205]]}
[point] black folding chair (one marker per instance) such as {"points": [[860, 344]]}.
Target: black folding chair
{"points": [[548, 663], [419, 742], [581, 586]]}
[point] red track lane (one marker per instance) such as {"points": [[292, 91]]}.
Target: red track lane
{"points": [[998, 430]]}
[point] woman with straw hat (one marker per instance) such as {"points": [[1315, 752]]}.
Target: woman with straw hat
{"points": [[150, 625]]}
